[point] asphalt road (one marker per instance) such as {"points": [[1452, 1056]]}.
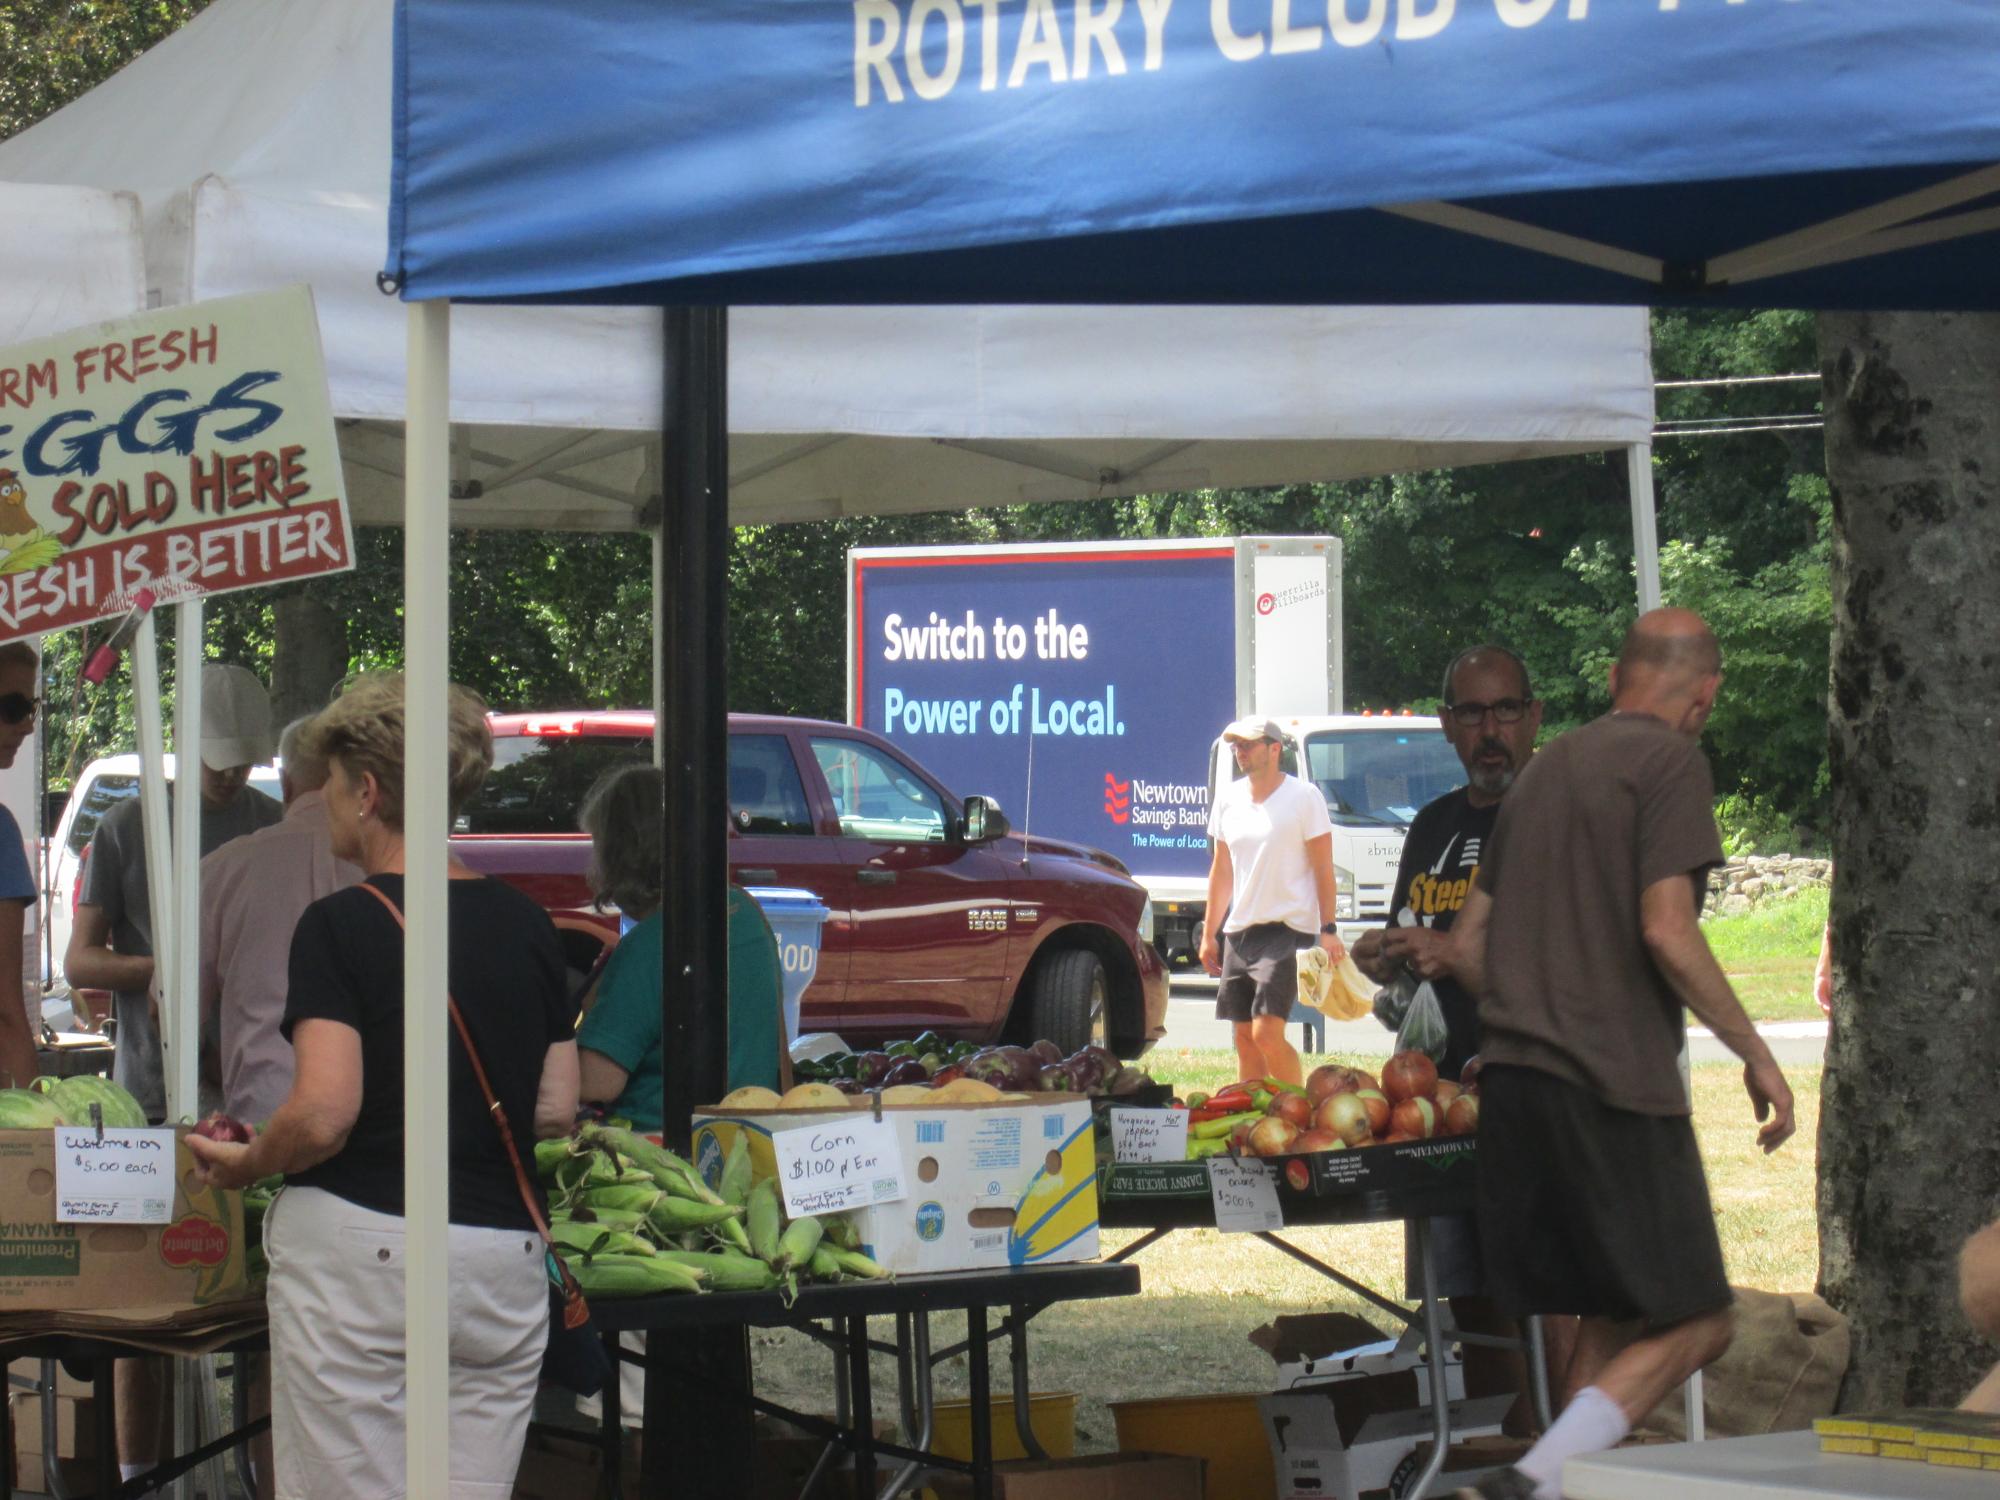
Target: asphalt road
{"points": [[1191, 1023]]}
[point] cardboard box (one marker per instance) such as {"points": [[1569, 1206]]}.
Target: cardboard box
{"points": [[31, 1473], [76, 1425], [142, 1270], [1312, 1348], [1432, 1177], [1100, 1476], [986, 1186], [31, 1370], [1340, 1440]]}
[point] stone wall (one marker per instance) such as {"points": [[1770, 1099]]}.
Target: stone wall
{"points": [[1749, 879]]}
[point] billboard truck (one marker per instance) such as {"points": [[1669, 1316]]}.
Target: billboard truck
{"points": [[1084, 686]]}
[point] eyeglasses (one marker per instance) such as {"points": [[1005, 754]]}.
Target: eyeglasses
{"points": [[1504, 711], [15, 707]]}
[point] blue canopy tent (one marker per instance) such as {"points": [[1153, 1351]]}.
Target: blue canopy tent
{"points": [[1823, 153]]}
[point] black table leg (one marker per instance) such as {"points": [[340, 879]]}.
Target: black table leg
{"points": [[103, 1390], [699, 1438], [862, 1396], [611, 1419], [982, 1403]]}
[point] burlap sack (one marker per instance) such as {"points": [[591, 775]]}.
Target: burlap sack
{"points": [[1783, 1369]]}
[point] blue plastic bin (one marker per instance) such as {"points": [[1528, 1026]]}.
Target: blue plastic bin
{"points": [[795, 917]]}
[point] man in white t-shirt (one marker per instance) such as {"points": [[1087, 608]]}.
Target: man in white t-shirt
{"points": [[1272, 875]]}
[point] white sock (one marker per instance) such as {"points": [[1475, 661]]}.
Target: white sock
{"points": [[1589, 1424], [131, 1471]]}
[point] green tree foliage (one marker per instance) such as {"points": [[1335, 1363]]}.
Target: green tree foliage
{"points": [[52, 52]]}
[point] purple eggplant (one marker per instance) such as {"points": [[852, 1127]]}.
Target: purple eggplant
{"points": [[873, 1068], [1047, 1053], [991, 1067], [1094, 1068], [1055, 1080], [905, 1070]]}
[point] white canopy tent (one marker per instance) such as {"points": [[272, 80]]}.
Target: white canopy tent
{"points": [[68, 256], [257, 139]]}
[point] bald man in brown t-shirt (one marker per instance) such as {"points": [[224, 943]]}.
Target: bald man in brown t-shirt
{"points": [[1583, 943]]}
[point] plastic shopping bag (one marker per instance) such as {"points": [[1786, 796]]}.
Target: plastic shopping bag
{"points": [[1337, 991], [1423, 1028]]}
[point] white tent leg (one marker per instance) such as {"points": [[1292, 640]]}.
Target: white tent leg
{"points": [[1645, 540], [426, 1166], [178, 977], [180, 1010], [145, 661]]}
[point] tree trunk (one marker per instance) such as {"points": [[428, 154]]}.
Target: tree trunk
{"points": [[1909, 1146], [309, 656]]}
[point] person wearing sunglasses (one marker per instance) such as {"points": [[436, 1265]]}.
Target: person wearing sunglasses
{"points": [[1491, 718], [18, 670]]}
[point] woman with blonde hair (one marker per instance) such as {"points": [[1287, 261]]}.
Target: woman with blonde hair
{"points": [[335, 1235]]}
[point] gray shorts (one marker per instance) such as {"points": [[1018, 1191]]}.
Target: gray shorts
{"points": [[1260, 972]]}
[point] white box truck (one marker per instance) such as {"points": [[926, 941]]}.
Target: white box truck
{"points": [[1085, 684]]}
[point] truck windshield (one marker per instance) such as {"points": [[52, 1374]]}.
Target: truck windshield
{"points": [[536, 785], [1381, 776]]}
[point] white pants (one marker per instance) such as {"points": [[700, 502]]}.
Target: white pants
{"points": [[337, 1350]]}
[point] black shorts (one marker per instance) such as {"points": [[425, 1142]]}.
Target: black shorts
{"points": [[1260, 972], [1592, 1210]]}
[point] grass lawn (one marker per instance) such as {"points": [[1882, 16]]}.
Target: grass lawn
{"points": [[1203, 1291], [1769, 953]]}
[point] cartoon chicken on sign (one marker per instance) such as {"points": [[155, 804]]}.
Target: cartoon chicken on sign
{"points": [[23, 543]]}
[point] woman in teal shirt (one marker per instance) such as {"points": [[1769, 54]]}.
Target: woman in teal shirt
{"points": [[619, 1042]]}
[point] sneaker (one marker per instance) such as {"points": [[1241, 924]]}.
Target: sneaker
{"points": [[1502, 1484]]}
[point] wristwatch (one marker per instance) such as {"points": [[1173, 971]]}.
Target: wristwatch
{"points": [[1329, 929]]}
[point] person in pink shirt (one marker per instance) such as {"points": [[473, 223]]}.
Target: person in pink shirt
{"points": [[253, 891]]}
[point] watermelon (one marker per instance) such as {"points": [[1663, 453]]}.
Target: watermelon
{"points": [[24, 1109], [75, 1096]]}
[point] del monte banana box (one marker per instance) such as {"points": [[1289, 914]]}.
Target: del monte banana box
{"points": [[195, 1259], [986, 1186]]}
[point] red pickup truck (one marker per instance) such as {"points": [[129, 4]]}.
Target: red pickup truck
{"points": [[939, 917]]}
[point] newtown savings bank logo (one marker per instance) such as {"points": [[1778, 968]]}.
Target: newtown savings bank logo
{"points": [[1156, 804]]}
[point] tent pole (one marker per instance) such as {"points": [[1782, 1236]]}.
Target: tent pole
{"points": [[658, 536], [182, 1010], [426, 1165], [698, 1436], [1645, 539]]}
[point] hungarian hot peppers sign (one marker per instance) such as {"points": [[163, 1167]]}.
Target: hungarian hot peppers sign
{"points": [[188, 451]]}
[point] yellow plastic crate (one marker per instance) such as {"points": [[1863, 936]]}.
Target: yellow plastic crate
{"points": [[1051, 1417], [1224, 1429]]}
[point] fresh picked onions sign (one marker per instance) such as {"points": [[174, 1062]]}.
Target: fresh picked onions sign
{"points": [[189, 451]]}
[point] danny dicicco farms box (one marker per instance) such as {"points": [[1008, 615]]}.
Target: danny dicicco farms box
{"points": [[985, 1186], [194, 1259]]}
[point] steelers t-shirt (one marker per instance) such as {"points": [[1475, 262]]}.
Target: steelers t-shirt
{"points": [[1440, 856]]}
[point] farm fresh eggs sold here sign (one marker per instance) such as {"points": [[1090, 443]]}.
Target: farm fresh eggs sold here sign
{"points": [[189, 451]]}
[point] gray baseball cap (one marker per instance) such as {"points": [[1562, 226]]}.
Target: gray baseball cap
{"points": [[1253, 729], [235, 719]]}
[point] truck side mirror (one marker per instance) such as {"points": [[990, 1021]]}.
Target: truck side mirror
{"points": [[984, 822]]}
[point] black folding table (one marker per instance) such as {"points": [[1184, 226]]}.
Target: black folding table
{"points": [[837, 1317]]}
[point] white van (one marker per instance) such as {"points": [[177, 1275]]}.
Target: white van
{"points": [[102, 786]]}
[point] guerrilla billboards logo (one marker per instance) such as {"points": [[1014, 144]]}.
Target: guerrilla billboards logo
{"points": [[1178, 810], [1270, 602], [176, 452], [194, 1242]]}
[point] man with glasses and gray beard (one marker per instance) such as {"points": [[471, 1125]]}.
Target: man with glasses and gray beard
{"points": [[1491, 718]]}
